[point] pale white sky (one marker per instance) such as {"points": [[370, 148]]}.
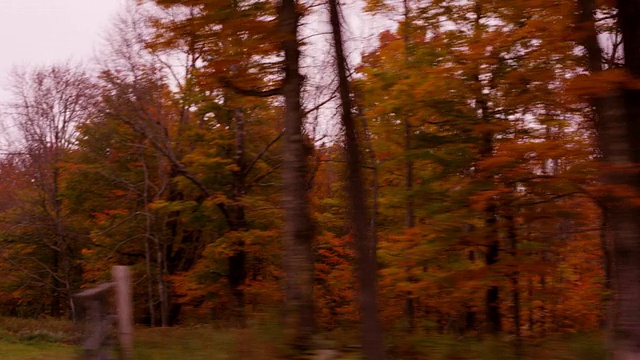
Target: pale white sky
{"points": [[44, 32], [41, 32]]}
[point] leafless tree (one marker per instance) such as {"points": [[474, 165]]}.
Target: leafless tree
{"points": [[47, 107]]}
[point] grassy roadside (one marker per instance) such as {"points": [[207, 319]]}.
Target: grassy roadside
{"points": [[36, 351], [29, 339], [36, 339]]}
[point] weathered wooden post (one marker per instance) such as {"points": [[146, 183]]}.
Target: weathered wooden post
{"points": [[99, 321], [124, 306]]}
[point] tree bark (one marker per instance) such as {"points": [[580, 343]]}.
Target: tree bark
{"points": [[237, 223], [408, 185], [618, 129], [162, 286], [494, 319], [375, 186], [492, 241], [147, 243], [512, 236], [626, 226], [372, 340], [298, 228], [55, 285]]}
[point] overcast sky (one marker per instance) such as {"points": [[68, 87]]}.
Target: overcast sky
{"points": [[44, 32], [41, 32]]}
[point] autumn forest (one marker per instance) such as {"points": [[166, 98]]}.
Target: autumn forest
{"points": [[472, 173]]}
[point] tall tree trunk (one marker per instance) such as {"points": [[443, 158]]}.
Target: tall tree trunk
{"points": [[530, 319], [492, 298], [150, 298], [492, 242], [162, 286], [237, 223], [64, 259], [160, 252], [494, 320], [607, 263], [298, 228], [372, 344], [624, 219], [617, 115], [626, 241], [55, 284], [375, 186], [512, 236], [147, 243], [408, 185], [605, 246]]}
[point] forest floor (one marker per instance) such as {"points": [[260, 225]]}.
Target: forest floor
{"points": [[30, 339]]}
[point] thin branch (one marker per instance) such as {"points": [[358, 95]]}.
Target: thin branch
{"points": [[344, 162], [263, 176], [551, 199], [323, 103], [218, 273], [250, 92], [261, 154]]}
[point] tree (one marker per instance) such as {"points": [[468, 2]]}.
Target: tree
{"points": [[486, 126], [236, 61], [616, 116], [372, 340], [48, 106], [298, 228]]}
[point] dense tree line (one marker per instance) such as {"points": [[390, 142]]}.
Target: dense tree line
{"points": [[484, 182]]}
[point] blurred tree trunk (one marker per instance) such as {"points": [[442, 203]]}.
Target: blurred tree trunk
{"points": [[237, 222], [298, 228], [625, 217], [372, 341], [410, 311], [514, 277], [617, 114], [492, 241]]}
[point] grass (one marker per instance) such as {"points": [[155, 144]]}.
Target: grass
{"points": [[35, 339], [445, 347], [203, 342], [36, 351], [31, 339]]}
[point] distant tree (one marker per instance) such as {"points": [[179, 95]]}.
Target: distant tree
{"points": [[48, 105]]}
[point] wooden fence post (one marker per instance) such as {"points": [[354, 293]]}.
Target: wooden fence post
{"points": [[124, 304], [98, 321]]}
